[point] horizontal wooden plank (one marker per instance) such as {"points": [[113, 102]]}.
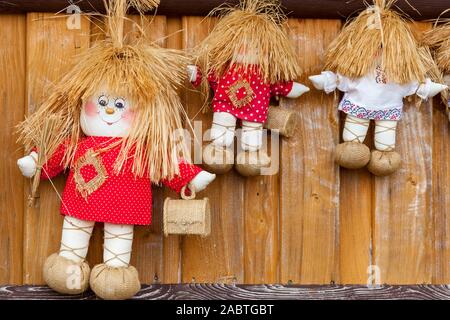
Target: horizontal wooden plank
{"points": [[424, 9], [247, 292]]}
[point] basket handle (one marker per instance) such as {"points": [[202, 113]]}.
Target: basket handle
{"points": [[186, 197]]}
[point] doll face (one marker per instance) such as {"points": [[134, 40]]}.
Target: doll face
{"points": [[246, 55], [106, 114]]}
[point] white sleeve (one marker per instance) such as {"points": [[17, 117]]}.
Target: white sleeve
{"points": [[410, 88], [328, 81], [344, 84]]}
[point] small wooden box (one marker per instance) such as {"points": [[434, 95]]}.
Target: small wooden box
{"points": [[187, 217], [283, 120]]}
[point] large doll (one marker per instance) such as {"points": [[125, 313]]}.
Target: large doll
{"points": [[376, 62], [118, 112], [439, 40], [246, 59]]}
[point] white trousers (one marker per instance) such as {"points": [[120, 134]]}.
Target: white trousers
{"points": [[355, 129], [118, 241]]}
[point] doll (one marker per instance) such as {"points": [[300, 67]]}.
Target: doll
{"points": [[439, 40], [119, 109], [246, 60], [376, 62]]}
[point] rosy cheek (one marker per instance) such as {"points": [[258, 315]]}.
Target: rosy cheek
{"points": [[128, 116], [91, 109]]}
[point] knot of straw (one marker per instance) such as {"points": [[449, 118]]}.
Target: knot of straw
{"points": [[116, 11]]}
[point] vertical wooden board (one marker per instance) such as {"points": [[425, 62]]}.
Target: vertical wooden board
{"points": [[355, 226], [147, 254], [50, 47], [355, 220], [309, 177], [261, 245], [12, 95], [441, 196], [172, 243], [403, 249], [219, 257]]}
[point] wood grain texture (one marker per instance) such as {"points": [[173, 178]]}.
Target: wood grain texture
{"points": [[261, 218], [312, 224], [319, 9], [218, 257], [355, 220], [247, 292], [172, 244], [147, 254], [50, 46], [310, 179], [403, 203], [441, 196], [12, 104]]}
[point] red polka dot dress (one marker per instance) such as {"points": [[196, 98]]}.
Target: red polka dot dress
{"points": [[94, 193], [243, 93]]}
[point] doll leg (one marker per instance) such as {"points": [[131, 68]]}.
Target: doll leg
{"points": [[68, 272], [217, 156], [115, 279], [223, 129], [251, 138], [252, 159], [353, 153], [384, 161]]}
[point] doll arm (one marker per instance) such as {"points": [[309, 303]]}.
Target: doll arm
{"points": [[194, 74], [428, 89], [290, 89], [50, 169], [281, 88], [329, 81], [190, 175], [196, 77], [28, 164]]}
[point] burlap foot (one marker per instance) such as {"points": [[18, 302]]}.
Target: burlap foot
{"points": [[66, 276], [352, 155], [384, 163], [218, 160], [114, 283], [250, 163]]}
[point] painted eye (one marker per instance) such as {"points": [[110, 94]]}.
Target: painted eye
{"points": [[120, 103], [103, 101]]}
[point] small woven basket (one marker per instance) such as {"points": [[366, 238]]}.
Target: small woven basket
{"points": [[187, 216]]}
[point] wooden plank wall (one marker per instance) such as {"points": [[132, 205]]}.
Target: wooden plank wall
{"points": [[312, 223]]}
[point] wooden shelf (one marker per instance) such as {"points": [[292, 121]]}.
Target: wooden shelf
{"points": [[247, 292], [333, 9]]}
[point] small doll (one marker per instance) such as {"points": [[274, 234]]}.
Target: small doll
{"points": [[246, 59], [376, 62], [439, 40], [119, 112]]}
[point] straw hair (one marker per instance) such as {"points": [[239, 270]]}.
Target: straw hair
{"points": [[381, 36], [150, 75], [116, 11], [254, 24], [45, 138], [439, 40]]}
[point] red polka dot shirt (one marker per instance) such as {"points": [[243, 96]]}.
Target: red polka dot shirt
{"points": [[243, 93], [120, 199]]}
